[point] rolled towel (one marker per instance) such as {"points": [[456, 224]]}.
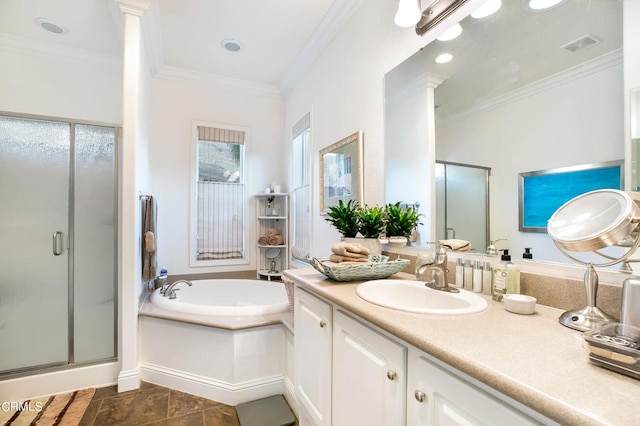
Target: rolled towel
{"points": [[456, 245], [149, 242], [276, 240], [336, 258], [348, 249], [263, 241], [271, 231]]}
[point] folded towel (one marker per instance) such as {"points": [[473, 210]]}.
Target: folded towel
{"points": [[263, 241], [336, 258], [276, 240], [456, 245], [349, 249], [271, 231]]}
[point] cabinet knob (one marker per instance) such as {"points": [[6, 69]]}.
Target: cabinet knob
{"points": [[391, 375], [420, 396], [323, 324]]}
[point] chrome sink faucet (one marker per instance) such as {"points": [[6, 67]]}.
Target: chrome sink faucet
{"points": [[436, 271], [171, 292]]}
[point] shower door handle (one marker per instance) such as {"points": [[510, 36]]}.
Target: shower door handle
{"points": [[57, 243]]}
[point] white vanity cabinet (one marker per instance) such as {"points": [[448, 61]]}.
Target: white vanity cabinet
{"points": [[368, 375], [312, 356], [437, 397]]}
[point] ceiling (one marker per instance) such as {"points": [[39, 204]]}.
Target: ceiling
{"points": [[186, 34]]}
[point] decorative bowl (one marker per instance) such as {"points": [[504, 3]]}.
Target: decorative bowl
{"points": [[378, 267]]}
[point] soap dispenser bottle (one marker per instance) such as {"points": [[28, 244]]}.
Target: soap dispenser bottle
{"points": [[505, 278]]}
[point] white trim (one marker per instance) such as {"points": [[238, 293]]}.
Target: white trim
{"points": [[35, 386], [338, 14], [16, 44], [216, 81], [128, 380], [217, 390]]}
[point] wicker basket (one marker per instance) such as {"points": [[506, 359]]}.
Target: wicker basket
{"points": [[377, 267], [288, 286]]}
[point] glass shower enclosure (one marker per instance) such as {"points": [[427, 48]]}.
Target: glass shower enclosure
{"points": [[58, 230]]}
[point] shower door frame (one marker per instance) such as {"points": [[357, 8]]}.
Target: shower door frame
{"points": [[71, 363]]}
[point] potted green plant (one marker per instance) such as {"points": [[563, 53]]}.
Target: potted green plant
{"points": [[372, 221], [344, 217], [401, 220]]}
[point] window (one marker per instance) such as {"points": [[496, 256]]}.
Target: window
{"points": [[217, 229], [301, 199]]}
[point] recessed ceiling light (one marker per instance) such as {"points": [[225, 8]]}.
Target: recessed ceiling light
{"points": [[451, 33], [50, 26], [231, 45], [444, 58], [542, 5], [488, 8]]}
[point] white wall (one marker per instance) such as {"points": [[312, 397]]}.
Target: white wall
{"points": [[572, 128], [70, 84], [175, 103]]}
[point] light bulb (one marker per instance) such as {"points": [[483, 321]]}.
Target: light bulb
{"points": [[408, 13]]}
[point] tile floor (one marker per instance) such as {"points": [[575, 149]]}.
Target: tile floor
{"points": [[153, 405]]}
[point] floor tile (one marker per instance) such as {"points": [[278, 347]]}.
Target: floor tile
{"points": [[181, 403], [134, 408], [193, 419], [224, 415]]}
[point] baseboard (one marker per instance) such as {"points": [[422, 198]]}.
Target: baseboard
{"points": [[227, 393], [128, 380], [62, 381], [290, 395]]}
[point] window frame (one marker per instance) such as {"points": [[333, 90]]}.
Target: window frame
{"points": [[193, 203], [297, 183]]}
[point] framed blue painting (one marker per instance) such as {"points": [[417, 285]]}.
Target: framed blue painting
{"points": [[542, 192]]}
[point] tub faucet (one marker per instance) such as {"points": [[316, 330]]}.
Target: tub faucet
{"points": [[437, 271], [171, 292]]}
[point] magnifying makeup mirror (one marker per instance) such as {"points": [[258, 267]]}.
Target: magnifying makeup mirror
{"points": [[591, 222]]}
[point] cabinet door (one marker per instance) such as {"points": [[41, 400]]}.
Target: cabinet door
{"points": [[436, 397], [312, 353], [368, 376]]}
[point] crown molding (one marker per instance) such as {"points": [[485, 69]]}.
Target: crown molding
{"points": [[338, 14], [183, 75], [134, 7], [585, 69], [418, 84], [15, 44]]}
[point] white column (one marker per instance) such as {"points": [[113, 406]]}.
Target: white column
{"points": [[129, 218]]}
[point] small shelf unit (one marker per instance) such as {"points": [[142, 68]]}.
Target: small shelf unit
{"points": [[272, 214]]}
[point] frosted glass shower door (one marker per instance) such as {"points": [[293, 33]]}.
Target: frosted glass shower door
{"points": [[34, 219]]}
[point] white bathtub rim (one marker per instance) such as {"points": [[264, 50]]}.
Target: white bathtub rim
{"points": [[239, 322], [186, 303]]}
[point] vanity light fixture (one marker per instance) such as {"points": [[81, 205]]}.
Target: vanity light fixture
{"points": [[444, 58], [488, 8], [451, 33], [408, 13], [542, 5]]}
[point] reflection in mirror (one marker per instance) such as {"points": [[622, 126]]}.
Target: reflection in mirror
{"points": [[462, 200], [341, 172], [525, 91]]}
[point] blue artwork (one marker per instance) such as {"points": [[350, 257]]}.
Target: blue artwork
{"points": [[542, 193]]}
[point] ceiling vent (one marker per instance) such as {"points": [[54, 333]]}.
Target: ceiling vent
{"points": [[581, 43]]}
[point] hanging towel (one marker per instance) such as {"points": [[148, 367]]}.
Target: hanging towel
{"points": [[149, 239]]}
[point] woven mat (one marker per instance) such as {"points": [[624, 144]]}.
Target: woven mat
{"points": [[64, 410]]}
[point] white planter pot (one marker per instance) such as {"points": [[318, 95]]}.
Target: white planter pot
{"points": [[373, 244]]}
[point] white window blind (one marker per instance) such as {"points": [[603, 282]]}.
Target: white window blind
{"points": [[220, 194]]}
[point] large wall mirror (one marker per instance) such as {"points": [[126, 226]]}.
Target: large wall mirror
{"points": [[525, 90], [341, 176]]}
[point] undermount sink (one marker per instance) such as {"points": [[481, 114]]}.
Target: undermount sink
{"points": [[415, 296]]}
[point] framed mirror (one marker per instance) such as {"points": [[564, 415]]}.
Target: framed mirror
{"points": [[341, 172]]}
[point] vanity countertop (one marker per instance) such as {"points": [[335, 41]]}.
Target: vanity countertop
{"points": [[530, 358]]}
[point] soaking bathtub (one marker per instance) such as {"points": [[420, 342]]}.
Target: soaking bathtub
{"points": [[230, 340]]}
